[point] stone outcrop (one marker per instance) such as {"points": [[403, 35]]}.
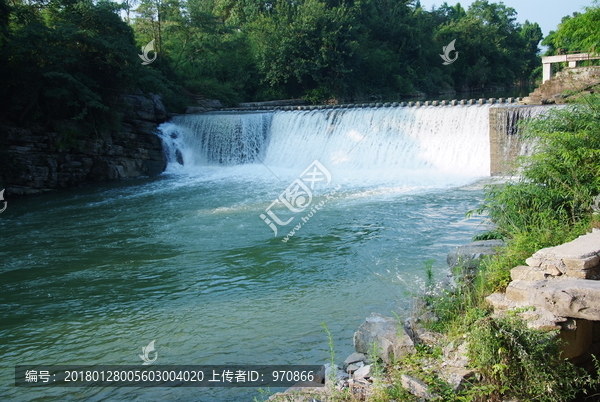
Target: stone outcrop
{"points": [[417, 387], [389, 337], [43, 159], [579, 258], [558, 290], [564, 85]]}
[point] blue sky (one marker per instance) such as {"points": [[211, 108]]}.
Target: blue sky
{"points": [[547, 13]]}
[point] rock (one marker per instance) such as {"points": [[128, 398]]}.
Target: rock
{"points": [[304, 394], [456, 377], [391, 340], [354, 367], [354, 358], [319, 376], [576, 298], [428, 316], [329, 370], [536, 317], [571, 81], [417, 387], [579, 258], [471, 254], [340, 375], [64, 156], [577, 336], [526, 273], [499, 302], [540, 319], [363, 372], [139, 107], [428, 338], [160, 112], [456, 356]]}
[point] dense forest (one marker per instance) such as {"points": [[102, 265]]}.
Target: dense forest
{"points": [[72, 58]]}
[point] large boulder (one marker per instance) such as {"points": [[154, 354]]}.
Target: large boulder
{"points": [[160, 112], [575, 298], [140, 107], [388, 336]]}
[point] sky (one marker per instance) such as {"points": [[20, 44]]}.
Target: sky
{"points": [[547, 13]]}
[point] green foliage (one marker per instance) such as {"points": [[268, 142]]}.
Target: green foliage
{"points": [[493, 47], [319, 49], [551, 201], [549, 204], [331, 350], [458, 308], [429, 272], [521, 363], [66, 60], [317, 96], [71, 59], [577, 33], [558, 182]]}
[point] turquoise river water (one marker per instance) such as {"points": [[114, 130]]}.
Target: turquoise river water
{"points": [[90, 276]]}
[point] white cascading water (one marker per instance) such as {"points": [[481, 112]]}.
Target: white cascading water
{"points": [[446, 140], [224, 138]]}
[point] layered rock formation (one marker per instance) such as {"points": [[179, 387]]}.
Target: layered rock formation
{"points": [[40, 160], [558, 290]]}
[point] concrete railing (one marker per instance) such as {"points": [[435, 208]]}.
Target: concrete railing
{"points": [[454, 102], [572, 59]]}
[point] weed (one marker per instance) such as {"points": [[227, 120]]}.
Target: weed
{"points": [[519, 362]]}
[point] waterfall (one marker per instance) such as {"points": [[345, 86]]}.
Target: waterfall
{"points": [[220, 138], [449, 140]]}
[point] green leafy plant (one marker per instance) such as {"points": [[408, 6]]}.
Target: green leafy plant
{"points": [[331, 351], [522, 363]]}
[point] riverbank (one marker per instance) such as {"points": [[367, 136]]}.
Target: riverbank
{"points": [[427, 356], [541, 338]]}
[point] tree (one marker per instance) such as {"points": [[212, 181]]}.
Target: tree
{"points": [[494, 48], [531, 34], [301, 46], [580, 33], [67, 60]]}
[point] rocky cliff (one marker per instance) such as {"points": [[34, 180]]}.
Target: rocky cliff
{"points": [[567, 84], [38, 159]]}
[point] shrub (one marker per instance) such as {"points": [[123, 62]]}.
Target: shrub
{"points": [[521, 363]]}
